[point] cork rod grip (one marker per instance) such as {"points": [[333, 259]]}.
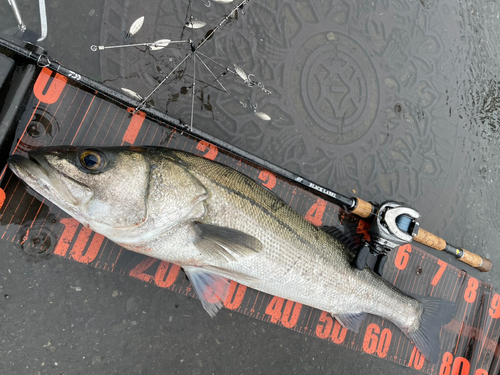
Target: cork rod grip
{"points": [[430, 240], [474, 260], [363, 208]]}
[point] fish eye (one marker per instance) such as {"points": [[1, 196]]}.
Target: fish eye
{"points": [[92, 160]]}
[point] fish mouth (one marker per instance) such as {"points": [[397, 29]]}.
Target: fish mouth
{"points": [[39, 175], [29, 170]]}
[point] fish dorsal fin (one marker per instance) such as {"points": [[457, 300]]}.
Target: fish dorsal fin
{"points": [[224, 244], [210, 288], [332, 231], [338, 234], [351, 321]]}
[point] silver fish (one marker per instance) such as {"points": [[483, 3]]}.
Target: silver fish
{"points": [[217, 223]]}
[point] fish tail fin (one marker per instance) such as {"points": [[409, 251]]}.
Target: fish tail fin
{"points": [[436, 313]]}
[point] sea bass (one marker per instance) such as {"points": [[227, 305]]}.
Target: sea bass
{"points": [[218, 224]]}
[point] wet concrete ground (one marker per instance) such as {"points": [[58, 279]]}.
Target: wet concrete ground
{"points": [[438, 153]]}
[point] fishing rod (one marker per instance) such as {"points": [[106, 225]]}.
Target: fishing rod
{"points": [[393, 223]]}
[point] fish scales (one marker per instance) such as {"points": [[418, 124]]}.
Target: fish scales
{"points": [[299, 262]]}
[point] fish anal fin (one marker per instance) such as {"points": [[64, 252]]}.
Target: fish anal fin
{"points": [[210, 288], [224, 244], [351, 322]]}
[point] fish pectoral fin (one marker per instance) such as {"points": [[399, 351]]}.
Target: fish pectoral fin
{"points": [[351, 321], [224, 244], [210, 288]]}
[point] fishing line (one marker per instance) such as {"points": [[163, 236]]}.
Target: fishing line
{"points": [[194, 90], [212, 74], [158, 44], [161, 83]]}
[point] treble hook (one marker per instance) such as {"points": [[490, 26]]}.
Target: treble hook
{"points": [[248, 80]]}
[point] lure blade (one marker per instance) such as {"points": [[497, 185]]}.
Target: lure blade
{"points": [[240, 72], [195, 24], [263, 116], [136, 26], [132, 94], [159, 44]]}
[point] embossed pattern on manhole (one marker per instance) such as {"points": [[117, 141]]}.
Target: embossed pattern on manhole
{"points": [[338, 101], [364, 94]]}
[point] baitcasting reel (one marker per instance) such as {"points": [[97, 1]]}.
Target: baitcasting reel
{"points": [[393, 225]]}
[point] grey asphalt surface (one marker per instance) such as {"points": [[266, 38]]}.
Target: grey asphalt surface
{"points": [[59, 317]]}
